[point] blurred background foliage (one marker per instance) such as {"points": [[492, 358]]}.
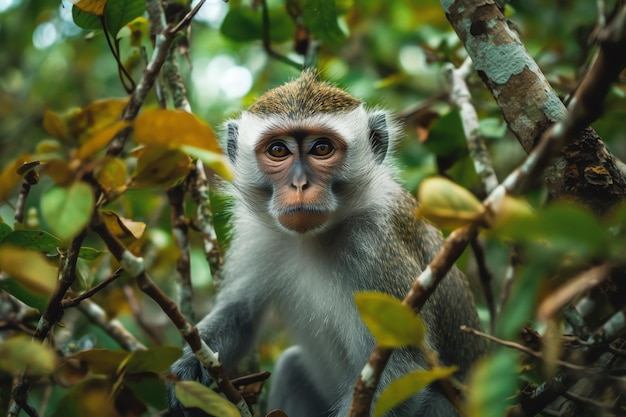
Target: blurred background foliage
{"points": [[392, 57], [390, 54]]}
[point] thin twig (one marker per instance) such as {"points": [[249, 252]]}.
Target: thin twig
{"points": [[521, 348], [267, 42], [486, 278], [67, 303]]}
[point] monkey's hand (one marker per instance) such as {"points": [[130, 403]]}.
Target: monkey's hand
{"points": [[187, 368]]}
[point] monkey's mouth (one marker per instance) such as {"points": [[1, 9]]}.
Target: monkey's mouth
{"points": [[302, 218]]}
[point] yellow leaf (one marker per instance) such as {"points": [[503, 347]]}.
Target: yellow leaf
{"points": [[218, 162], [102, 361], [511, 209], [95, 117], [173, 129], [136, 30], [111, 174], [29, 268], [92, 397], [552, 346], [69, 372], [194, 394], [59, 170], [100, 139], [20, 354], [54, 125], [90, 6], [47, 147], [9, 177], [392, 323], [160, 167], [410, 384], [447, 204], [121, 227]]}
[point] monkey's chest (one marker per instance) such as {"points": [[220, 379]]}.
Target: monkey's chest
{"points": [[323, 320]]}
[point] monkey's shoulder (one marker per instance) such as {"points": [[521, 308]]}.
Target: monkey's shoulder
{"points": [[409, 228]]}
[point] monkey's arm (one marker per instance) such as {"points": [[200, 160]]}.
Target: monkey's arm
{"points": [[230, 330]]}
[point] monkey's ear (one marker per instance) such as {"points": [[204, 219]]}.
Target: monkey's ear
{"points": [[379, 135], [231, 140]]}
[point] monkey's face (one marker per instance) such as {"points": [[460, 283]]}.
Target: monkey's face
{"points": [[301, 166], [306, 155]]}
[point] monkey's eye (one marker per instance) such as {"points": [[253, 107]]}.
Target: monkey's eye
{"points": [[278, 150], [322, 147]]}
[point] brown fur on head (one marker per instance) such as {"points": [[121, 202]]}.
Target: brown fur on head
{"points": [[304, 97]]}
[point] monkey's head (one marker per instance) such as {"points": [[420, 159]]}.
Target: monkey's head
{"points": [[307, 153]]}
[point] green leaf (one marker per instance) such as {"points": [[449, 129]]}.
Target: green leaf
{"points": [[43, 241], [5, 229], [586, 239], [243, 24], [403, 388], [493, 384], [32, 239], [561, 229], [90, 397], [446, 136], [520, 307], [89, 254], [155, 360], [85, 20], [150, 391], [26, 296], [492, 127], [392, 323], [121, 12], [194, 394], [320, 17], [67, 210]]}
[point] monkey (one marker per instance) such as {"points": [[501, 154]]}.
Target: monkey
{"points": [[318, 214]]}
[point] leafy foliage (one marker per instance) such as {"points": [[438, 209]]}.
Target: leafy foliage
{"points": [[392, 323], [194, 394], [410, 384]]}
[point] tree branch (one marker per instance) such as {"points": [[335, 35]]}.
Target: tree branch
{"points": [[530, 105]]}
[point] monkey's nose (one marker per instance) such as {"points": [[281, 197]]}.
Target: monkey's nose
{"points": [[300, 182], [299, 179]]}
